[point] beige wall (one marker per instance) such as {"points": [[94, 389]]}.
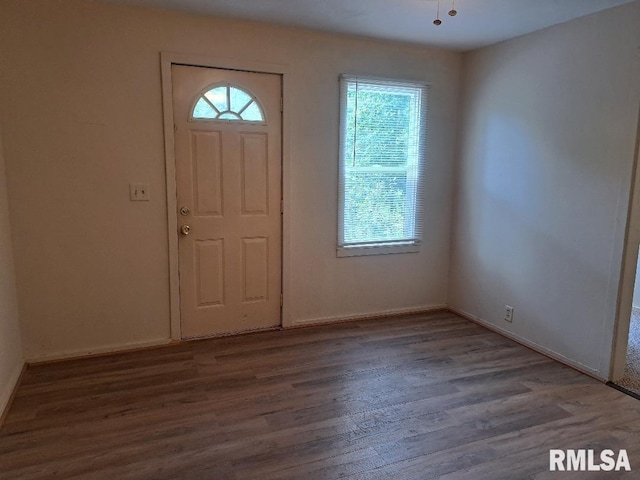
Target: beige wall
{"points": [[80, 100], [543, 181], [10, 344]]}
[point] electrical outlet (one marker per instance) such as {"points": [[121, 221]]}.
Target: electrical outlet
{"points": [[508, 313], [139, 192]]}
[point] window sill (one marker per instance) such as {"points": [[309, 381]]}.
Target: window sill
{"points": [[360, 251]]}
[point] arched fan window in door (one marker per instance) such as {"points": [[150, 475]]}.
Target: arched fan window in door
{"points": [[226, 102]]}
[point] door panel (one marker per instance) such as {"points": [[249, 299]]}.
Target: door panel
{"points": [[255, 174], [207, 163], [255, 262], [209, 264], [228, 175]]}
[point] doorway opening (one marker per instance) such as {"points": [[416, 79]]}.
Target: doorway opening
{"points": [[631, 379]]}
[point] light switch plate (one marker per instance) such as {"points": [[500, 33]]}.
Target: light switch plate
{"points": [[139, 192]]}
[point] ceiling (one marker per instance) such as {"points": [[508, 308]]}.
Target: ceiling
{"points": [[479, 22]]}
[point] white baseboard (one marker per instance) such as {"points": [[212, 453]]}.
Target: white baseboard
{"points": [[365, 316], [532, 345], [7, 393], [53, 357]]}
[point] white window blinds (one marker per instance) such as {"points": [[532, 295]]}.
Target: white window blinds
{"points": [[382, 150]]}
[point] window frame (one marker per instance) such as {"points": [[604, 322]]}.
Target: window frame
{"points": [[228, 85], [412, 245]]}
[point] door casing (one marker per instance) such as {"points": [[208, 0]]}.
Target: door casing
{"points": [[628, 272], [166, 60]]}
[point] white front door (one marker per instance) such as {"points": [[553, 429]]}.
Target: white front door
{"points": [[228, 175]]}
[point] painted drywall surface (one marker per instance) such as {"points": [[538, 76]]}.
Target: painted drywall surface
{"points": [[10, 343], [543, 181], [80, 98]]}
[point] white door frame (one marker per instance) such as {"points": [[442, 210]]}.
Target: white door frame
{"points": [[628, 271], [166, 60]]}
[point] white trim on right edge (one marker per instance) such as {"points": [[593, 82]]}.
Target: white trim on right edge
{"points": [[529, 344]]}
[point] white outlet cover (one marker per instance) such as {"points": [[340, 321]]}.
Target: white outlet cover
{"points": [[508, 314]]}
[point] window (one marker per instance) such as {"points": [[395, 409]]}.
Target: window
{"points": [[227, 103], [382, 133]]}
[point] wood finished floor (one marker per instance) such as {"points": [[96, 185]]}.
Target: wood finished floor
{"points": [[416, 397]]}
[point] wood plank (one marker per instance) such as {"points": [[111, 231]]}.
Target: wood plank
{"points": [[414, 397]]}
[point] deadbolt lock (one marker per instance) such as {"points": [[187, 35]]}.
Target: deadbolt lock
{"points": [[184, 211]]}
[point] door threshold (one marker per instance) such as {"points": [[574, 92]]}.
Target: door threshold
{"points": [[631, 393], [231, 334]]}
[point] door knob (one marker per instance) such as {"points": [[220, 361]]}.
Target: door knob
{"points": [[185, 229]]}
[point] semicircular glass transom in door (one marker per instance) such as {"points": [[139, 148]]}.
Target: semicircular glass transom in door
{"points": [[227, 103]]}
